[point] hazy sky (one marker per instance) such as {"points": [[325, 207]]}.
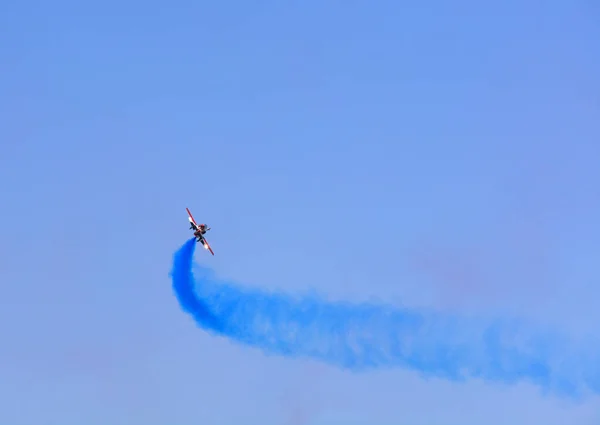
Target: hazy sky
{"points": [[443, 155]]}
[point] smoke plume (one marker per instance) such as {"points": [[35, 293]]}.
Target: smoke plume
{"points": [[363, 337]]}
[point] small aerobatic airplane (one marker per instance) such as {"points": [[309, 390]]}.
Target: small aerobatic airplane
{"points": [[199, 231]]}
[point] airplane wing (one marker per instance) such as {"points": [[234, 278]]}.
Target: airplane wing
{"points": [[196, 227], [191, 218], [207, 246]]}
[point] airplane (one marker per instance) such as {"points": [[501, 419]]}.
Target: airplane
{"points": [[199, 231]]}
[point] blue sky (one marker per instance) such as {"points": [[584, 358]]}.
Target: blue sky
{"points": [[438, 155]]}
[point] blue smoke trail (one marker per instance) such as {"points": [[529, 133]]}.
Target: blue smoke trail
{"points": [[370, 336]]}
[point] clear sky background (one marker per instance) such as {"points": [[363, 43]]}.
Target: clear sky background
{"points": [[440, 154]]}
